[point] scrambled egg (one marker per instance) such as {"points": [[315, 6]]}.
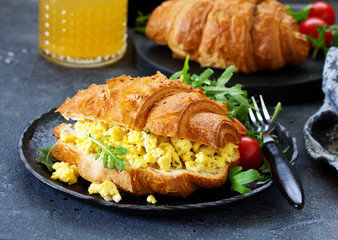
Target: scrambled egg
{"points": [[107, 190], [65, 172], [146, 149], [151, 199]]}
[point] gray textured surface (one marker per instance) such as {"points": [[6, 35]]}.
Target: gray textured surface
{"points": [[30, 210]]}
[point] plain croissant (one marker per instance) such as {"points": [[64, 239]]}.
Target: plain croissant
{"points": [[157, 105], [250, 34]]}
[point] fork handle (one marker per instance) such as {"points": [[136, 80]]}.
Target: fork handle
{"points": [[284, 175]]}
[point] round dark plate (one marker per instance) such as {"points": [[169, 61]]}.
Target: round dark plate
{"points": [[290, 84], [38, 134]]}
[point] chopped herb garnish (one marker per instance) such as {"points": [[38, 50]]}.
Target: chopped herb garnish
{"points": [[114, 160], [48, 160]]}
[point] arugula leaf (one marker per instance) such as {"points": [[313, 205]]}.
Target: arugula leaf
{"points": [[184, 72], [176, 75], [285, 150], [225, 77], [240, 179], [141, 22], [119, 164], [48, 159], [300, 15], [220, 98], [114, 160], [334, 31], [265, 168], [119, 150], [198, 81], [140, 29], [252, 133], [236, 98], [278, 108], [319, 42]]}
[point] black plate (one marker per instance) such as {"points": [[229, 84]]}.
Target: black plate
{"points": [[39, 134], [289, 85]]}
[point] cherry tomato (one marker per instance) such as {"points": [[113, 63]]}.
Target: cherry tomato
{"points": [[250, 153], [240, 126], [324, 11], [308, 27]]}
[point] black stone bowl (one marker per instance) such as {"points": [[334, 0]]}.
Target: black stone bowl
{"points": [[321, 137]]}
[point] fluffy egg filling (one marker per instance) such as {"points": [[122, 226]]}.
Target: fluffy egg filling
{"points": [[150, 150], [65, 172]]}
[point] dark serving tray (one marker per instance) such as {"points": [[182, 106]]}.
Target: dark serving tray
{"points": [[291, 84], [38, 134]]}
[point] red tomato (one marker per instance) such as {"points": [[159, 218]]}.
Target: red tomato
{"points": [[240, 126], [308, 27], [324, 11], [250, 153]]}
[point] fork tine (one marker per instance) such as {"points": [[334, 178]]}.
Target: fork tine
{"points": [[264, 109], [258, 112], [252, 116]]}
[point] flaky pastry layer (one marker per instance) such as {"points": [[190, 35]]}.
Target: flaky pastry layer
{"points": [[250, 34]]}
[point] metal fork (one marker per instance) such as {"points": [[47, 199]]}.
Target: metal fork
{"points": [[283, 173]]}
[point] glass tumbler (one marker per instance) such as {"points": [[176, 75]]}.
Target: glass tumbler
{"points": [[83, 33]]}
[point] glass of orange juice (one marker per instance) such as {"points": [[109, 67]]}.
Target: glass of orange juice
{"points": [[83, 33]]}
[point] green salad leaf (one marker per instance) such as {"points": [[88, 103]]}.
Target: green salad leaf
{"points": [[300, 15], [216, 89], [48, 160], [239, 179], [110, 152], [277, 109], [140, 22], [319, 42], [334, 31]]}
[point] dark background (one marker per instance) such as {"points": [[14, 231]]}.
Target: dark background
{"points": [[146, 7]]}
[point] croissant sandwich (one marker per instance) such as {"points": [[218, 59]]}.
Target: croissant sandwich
{"points": [[178, 140], [250, 34]]}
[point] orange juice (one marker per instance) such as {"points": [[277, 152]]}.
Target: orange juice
{"points": [[83, 33]]}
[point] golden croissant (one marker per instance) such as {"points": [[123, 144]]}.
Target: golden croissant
{"points": [[250, 34], [178, 139]]}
